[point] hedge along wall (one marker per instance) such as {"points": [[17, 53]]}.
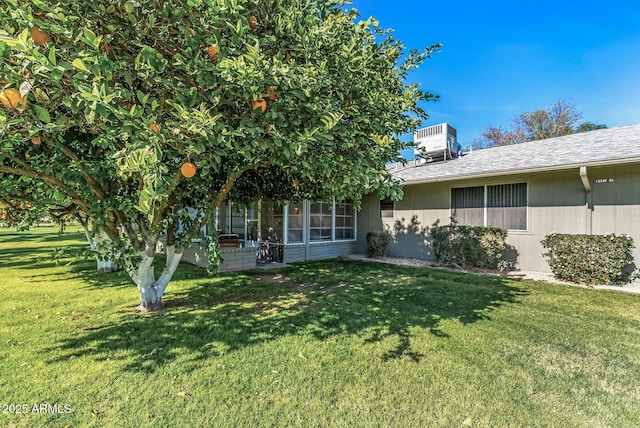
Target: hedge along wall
{"points": [[590, 259], [469, 246]]}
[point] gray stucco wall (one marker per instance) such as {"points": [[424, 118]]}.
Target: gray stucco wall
{"points": [[558, 202]]}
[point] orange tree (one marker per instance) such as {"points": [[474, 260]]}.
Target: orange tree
{"points": [[148, 111]]}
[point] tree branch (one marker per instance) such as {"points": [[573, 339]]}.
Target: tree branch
{"points": [[50, 180], [224, 191], [94, 186]]}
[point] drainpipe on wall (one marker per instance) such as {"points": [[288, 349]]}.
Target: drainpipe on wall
{"points": [[589, 198]]}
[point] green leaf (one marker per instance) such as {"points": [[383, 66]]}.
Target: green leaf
{"points": [[52, 55], [79, 64], [5, 50], [42, 113]]}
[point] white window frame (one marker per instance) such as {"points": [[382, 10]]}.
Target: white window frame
{"points": [[333, 225]]}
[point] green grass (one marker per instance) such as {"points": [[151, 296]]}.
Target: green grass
{"points": [[332, 343]]}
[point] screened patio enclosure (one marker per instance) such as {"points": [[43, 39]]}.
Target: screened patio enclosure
{"points": [[289, 232]]}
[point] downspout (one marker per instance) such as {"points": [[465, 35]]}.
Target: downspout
{"points": [[589, 198]]}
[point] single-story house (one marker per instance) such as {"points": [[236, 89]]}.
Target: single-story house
{"points": [[584, 183], [580, 183]]}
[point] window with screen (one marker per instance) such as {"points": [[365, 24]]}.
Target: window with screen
{"points": [[505, 206], [295, 222], [320, 222], [345, 220], [386, 208], [467, 205]]}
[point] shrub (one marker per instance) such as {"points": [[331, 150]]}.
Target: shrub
{"points": [[590, 259], [377, 243], [468, 246]]}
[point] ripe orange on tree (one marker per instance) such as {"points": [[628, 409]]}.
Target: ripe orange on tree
{"points": [[35, 141], [154, 127], [188, 169], [213, 50], [271, 92], [39, 37], [12, 98], [253, 22], [259, 103]]}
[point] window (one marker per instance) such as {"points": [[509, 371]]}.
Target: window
{"points": [[505, 206], [295, 223], [238, 220], [386, 208], [253, 221], [467, 205], [272, 221], [321, 222], [345, 221]]}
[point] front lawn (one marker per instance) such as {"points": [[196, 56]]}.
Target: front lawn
{"points": [[332, 343]]}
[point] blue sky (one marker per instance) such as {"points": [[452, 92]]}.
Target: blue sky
{"points": [[501, 58]]}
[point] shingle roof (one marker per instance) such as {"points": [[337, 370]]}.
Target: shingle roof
{"points": [[601, 147]]}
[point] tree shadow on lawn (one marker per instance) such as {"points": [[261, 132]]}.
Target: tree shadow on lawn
{"points": [[43, 257], [36, 235], [323, 299], [40, 251]]}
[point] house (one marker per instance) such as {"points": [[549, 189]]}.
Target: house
{"points": [[585, 183]]}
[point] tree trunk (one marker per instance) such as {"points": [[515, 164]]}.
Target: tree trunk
{"points": [[152, 289], [102, 246]]}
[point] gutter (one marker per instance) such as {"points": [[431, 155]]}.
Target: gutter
{"points": [[585, 179], [589, 198]]}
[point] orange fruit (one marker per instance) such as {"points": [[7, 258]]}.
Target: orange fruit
{"points": [[39, 37], [188, 169], [271, 92], [11, 98], [260, 103], [154, 127], [253, 22], [213, 50], [36, 141]]}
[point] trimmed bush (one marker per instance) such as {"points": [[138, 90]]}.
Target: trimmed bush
{"points": [[377, 243], [590, 259], [469, 246]]}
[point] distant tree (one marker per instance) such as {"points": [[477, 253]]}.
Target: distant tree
{"points": [[557, 120], [561, 118], [498, 136], [590, 126]]}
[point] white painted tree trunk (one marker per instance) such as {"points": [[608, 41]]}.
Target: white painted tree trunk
{"points": [[101, 245], [152, 289]]}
